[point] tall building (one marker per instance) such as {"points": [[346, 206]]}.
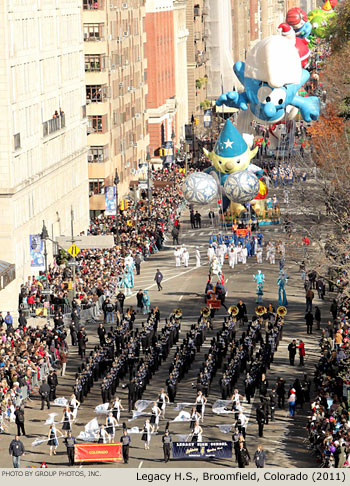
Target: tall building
{"points": [[160, 53], [308, 5], [43, 146], [219, 47], [181, 83], [272, 14], [116, 89], [197, 56]]}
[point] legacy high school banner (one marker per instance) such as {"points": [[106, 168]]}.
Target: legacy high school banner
{"points": [[202, 450], [98, 452]]}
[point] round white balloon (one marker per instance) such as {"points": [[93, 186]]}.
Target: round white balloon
{"points": [[241, 187], [200, 188]]}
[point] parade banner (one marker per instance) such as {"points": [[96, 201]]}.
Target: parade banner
{"points": [[202, 450], [98, 452], [36, 252], [169, 153], [207, 118], [110, 201]]}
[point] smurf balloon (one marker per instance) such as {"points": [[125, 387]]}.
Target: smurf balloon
{"points": [[271, 76], [298, 20]]}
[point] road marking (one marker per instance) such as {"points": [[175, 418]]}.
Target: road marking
{"points": [[163, 281], [140, 465], [180, 297]]}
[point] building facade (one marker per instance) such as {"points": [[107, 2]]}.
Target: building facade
{"points": [[116, 89], [160, 53], [181, 83], [43, 147], [219, 47], [197, 56]]}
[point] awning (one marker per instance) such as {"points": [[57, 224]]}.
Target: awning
{"points": [[7, 273], [87, 242]]}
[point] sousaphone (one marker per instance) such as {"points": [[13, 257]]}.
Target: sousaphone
{"points": [[206, 311], [233, 310], [177, 313], [281, 311], [260, 310]]}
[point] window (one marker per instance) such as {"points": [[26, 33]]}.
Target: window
{"points": [[96, 186], [96, 94], [98, 154], [92, 4], [17, 141], [95, 63], [97, 124], [93, 32]]}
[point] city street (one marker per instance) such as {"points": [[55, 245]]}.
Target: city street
{"points": [[183, 288]]}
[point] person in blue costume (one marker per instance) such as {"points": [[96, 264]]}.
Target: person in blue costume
{"points": [[260, 237], [282, 281], [259, 293]]}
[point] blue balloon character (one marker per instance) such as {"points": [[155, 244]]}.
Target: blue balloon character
{"points": [[271, 76]]}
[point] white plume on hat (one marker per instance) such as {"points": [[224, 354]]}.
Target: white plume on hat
{"points": [[274, 60]]}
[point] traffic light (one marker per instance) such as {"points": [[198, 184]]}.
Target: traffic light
{"points": [[126, 204], [195, 121], [122, 205], [161, 152]]}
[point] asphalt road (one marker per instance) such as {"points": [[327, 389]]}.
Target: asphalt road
{"points": [[183, 287]]}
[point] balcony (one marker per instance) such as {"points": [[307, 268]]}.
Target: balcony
{"points": [[93, 32], [97, 93], [98, 154], [97, 124], [93, 4], [95, 63], [58, 122]]}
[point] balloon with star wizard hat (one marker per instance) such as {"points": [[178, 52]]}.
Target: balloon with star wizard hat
{"points": [[231, 152]]}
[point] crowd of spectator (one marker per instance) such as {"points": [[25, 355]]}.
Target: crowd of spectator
{"points": [[329, 423], [141, 233]]}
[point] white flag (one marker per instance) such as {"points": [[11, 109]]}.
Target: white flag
{"points": [[38, 442], [92, 426], [51, 419], [183, 417], [103, 408], [60, 402], [221, 406], [181, 406], [225, 428], [141, 405]]}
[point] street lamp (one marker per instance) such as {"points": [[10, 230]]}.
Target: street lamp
{"points": [[148, 159], [116, 182], [45, 236]]}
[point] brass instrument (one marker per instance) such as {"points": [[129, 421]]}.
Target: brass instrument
{"points": [[206, 311], [177, 313], [233, 310], [260, 310], [282, 311]]}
